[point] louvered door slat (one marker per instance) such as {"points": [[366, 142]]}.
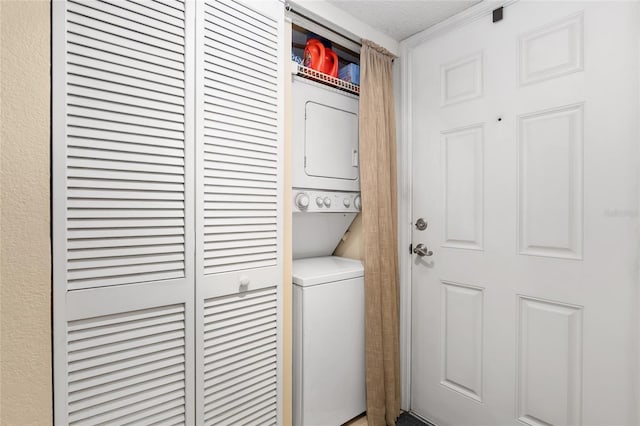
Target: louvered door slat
{"points": [[243, 410], [217, 154], [103, 351], [86, 391], [217, 83], [121, 175], [90, 54], [152, 12], [126, 100], [231, 69], [250, 366], [111, 133], [252, 110], [122, 52], [144, 16], [123, 211], [85, 18], [161, 7], [129, 250], [114, 83], [239, 355], [107, 123], [255, 18], [229, 21], [114, 376], [128, 112], [82, 26], [88, 109], [238, 388], [124, 19], [239, 148], [153, 153], [229, 55]]}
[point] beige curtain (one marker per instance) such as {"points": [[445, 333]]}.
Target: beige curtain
{"points": [[379, 219]]}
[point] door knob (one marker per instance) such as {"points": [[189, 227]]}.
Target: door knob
{"points": [[422, 250]]}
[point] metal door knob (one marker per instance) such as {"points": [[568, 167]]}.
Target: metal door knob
{"points": [[421, 224], [422, 250]]}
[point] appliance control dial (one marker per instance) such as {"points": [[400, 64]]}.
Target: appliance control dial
{"points": [[302, 201], [346, 202], [319, 201], [327, 201], [357, 202]]}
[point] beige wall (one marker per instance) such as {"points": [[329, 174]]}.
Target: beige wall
{"points": [[352, 245], [25, 283], [25, 277]]}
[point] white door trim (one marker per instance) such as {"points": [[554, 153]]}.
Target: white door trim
{"points": [[638, 272], [405, 187]]}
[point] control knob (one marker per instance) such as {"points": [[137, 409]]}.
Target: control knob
{"points": [[346, 202], [357, 202], [327, 201], [319, 201], [302, 201]]}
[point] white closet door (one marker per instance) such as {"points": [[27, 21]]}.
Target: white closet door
{"points": [[123, 215], [239, 108]]}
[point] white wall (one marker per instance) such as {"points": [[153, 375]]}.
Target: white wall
{"points": [[333, 17]]}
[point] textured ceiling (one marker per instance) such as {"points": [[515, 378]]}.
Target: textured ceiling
{"points": [[401, 18]]}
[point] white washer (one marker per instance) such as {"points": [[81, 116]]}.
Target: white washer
{"points": [[328, 341]]}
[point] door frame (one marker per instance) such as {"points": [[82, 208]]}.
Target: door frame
{"points": [[638, 226]]}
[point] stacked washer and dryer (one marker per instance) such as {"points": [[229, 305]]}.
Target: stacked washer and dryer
{"points": [[328, 291]]}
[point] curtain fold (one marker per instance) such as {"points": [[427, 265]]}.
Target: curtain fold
{"points": [[379, 220]]}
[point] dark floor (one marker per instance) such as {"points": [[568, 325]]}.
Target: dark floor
{"points": [[407, 419]]}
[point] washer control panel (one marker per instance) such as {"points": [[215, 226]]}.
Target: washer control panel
{"points": [[315, 201]]}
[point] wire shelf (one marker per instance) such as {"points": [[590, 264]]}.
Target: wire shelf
{"points": [[326, 79]]}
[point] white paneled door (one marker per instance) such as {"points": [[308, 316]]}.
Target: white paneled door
{"points": [[525, 152]]}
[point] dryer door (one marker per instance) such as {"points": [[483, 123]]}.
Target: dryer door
{"points": [[331, 142]]}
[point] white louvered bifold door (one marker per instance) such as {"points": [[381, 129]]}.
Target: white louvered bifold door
{"points": [[239, 140], [123, 197]]}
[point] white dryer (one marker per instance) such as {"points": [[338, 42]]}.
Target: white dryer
{"points": [[328, 336], [325, 137]]}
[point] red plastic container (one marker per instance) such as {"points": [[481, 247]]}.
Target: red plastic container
{"points": [[314, 55], [330, 63]]}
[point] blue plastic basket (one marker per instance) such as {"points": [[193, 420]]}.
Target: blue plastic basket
{"points": [[350, 73]]}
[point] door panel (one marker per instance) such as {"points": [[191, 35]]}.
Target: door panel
{"points": [[239, 149], [524, 165], [239, 172], [122, 212]]}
